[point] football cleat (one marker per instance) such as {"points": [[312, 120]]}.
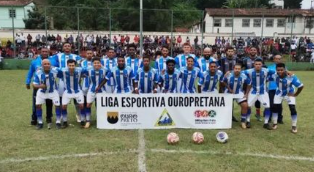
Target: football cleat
{"points": [[58, 126], [87, 125], [248, 125], [294, 129], [39, 126], [266, 126]]}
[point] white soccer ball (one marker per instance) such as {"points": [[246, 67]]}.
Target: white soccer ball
{"points": [[222, 137], [198, 137], [172, 138]]}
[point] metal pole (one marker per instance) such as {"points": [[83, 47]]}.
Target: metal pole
{"points": [[109, 27], [46, 23], [14, 48], [171, 32], [262, 34], [202, 32], [291, 36], [232, 27], [141, 28], [78, 31]]}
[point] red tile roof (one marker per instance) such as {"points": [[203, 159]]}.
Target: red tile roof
{"points": [[253, 12], [15, 2]]}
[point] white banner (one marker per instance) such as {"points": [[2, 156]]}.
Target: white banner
{"points": [[160, 111]]}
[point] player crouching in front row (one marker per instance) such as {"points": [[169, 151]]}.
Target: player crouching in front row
{"points": [[285, 91], [45, 82]]}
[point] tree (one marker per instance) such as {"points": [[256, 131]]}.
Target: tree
{"points": [[247, 4], [35, 20], [202, 4], [293, 4]]}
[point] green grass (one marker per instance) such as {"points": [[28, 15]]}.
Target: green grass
{"points": [[18, 140]]}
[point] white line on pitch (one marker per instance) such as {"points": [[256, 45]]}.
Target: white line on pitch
{"points": [[41, 158], [141, 151], [286, 157]]}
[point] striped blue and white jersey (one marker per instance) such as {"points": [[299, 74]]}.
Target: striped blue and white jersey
{"points": [[96, 77], [49, 79], [210, 81], [135, 63], [72, 82], [146, 80], [236, 82], [285, 85], [170, 81], [86, 64], [258, 79], [109, 64], [181, 60], [122, 79], [62, 58], [203, 63], [189, 78], [160, 63]]}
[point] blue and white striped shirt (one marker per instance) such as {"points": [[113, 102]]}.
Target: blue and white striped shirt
{"points": [[72, 82], [109, 64], [135, 63], [96, 77], [258, 79], [61, 59], [285, 85], [181, 60], [49, 79], [122, 79], [236, 83], [210, 81], [146, 80], [160, 63], [188, 79], [86, 64], [170, 81], [203, 64]]}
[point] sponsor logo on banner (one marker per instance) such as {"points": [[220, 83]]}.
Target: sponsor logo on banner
{"points": [[164, 119], [129, 118], [205, 116], [112, 117]]}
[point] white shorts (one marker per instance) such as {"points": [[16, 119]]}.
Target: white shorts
{"points": [[41, 97], [212, 92], [85, 91], [263, 98], [90, 98], [239, 98], [66, 97], [289, 99]]}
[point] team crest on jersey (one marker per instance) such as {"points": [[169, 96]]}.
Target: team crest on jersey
{"points": [[164, 119], [112, 117]]}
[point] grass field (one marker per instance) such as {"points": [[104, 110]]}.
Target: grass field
{"points": [[23, 148]]}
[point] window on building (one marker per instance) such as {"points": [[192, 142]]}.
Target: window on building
{"points": [[12, 13], [217, 23], [245, 22], [257, 22], [228, 22], [281, 22], [309, 23], [269, 22]]}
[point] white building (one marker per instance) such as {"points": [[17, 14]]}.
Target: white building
{"points": [[259, 22], [14, 11], [277, 3]]}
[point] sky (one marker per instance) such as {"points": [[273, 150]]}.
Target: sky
{"points": [[306, 4]]}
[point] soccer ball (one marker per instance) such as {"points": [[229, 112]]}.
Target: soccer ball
{"points": [[222, 137], [172, 138], [198, 137]]}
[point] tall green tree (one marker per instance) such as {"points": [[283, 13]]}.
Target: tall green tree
{"points": [[35, 20], [293, 4], [247, 4]]}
